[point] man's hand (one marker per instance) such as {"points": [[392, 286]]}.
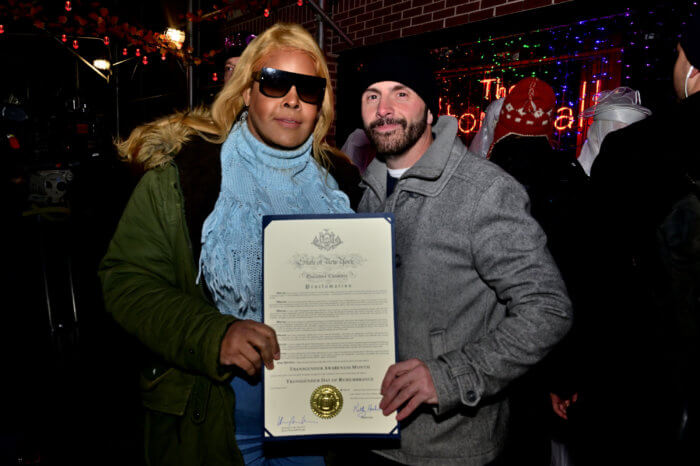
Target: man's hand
{"points": [[410, 383], [560, 405], [248, 344]]}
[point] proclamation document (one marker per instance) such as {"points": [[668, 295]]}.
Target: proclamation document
{"points": [[328, 291]]}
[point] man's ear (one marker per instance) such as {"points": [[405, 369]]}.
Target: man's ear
{"points": [[246, 97], [430, 117]]}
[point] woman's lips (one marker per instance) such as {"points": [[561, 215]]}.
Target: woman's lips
{"points": [[288, 123]]}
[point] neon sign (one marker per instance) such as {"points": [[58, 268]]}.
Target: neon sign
{"points": [[468, 122], [565, 119]]}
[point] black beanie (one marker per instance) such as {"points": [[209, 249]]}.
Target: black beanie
{"points": [[690, 40], [414, 70]]}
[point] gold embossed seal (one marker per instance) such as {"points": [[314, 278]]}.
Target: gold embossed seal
{"points": [[326, 401]]}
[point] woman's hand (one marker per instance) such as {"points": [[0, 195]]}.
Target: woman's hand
{"points": [[248, 345]]}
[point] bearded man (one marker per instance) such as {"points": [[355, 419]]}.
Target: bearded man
{"points": [[480, 299]]}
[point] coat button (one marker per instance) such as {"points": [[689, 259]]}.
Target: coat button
{"points": [[471, 396], [197, 414], [191, 351]]}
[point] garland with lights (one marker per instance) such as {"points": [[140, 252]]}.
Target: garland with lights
{"points": [[86, 19]]}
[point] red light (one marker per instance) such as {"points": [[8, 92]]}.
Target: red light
{"points": [[68, 6], [145, 60], [300, 2], [138, 52], [64, 38], [124, 52], [14, 142], [266, 13], [2, 29], [106, 40], [582, 105], [75, 44], [162, 57], [214, 77]]}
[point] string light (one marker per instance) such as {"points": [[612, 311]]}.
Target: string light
{"points": [[2, 29], [138, 52], [300, 2], [64, 38], [106, 40], [175, 37], [145, 60], [595, 51], [75, 44], [214, 77], [68, 6], [125, 52], [102, 64], [266, 13]]}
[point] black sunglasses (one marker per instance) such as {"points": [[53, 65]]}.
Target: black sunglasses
{"points": [[277, 83]]}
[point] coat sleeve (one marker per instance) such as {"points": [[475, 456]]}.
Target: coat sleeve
{"points": [[509, 253], [140, 279]]}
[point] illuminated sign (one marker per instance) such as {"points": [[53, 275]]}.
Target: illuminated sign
{"points": [[470, 121]]}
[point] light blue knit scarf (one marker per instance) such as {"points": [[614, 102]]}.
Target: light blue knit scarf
{"points": [[257, 180]]}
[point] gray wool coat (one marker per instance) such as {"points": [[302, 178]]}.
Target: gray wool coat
{"points": [[480, 299]]}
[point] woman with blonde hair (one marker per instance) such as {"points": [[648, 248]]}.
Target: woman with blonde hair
{"points": [[210, 177]]}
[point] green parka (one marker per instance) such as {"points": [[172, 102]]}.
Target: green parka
{"points": [[148, 277]]}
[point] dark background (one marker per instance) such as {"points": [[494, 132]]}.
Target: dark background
{"points": [[71, 395]]}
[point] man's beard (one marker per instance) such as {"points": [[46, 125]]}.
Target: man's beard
{"points": [[398, 141]]}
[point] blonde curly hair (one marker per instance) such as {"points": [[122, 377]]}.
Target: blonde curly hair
{"points": [[157, 142]]}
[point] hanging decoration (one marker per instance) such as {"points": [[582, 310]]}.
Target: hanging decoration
{"points": [[85, 18]]}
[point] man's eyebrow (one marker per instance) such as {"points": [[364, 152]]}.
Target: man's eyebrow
{"points": [[398, 87]]}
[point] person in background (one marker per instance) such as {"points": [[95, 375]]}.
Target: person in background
{"points": [[558, 190], [211, 176], [637, 394], [232, 56], [483, 139], [613, 110], [359, 149]]}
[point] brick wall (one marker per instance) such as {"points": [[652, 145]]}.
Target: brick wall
{"points": [[369, 22], [374, 21]]}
